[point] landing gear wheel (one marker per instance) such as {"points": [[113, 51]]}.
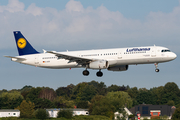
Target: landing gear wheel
{"points": [[99, 74], [156, 65], [157, 70], [85, 72]]}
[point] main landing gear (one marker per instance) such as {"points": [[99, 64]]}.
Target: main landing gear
{"points": [[86, 73], [156, 65], [99, 73]]}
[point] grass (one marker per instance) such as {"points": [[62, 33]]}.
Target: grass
{"points": [[89, 117]]}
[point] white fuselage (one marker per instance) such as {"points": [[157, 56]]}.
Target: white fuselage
{"points": [[119, 56]]}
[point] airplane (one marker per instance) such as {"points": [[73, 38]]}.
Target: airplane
{"points": [[117, 59]]}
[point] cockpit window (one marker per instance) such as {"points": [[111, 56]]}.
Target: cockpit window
{"points": [[165, 51]]}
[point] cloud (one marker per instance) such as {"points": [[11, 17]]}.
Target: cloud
{"points": [[74, 6], [13, 6], [33, 9], [77, 27]]}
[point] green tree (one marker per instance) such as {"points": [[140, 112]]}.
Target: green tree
{"points": [[146, 96], [33, 94], [43, 103], [94, 83], [159, 92], [61, 102], [26, 109], [123, 88], [24, 94], [47, 93], [3, 103], [65, 91], [26, 88], [94, 100], [100, 105], [119, 99], [78, 91], [176, 115], [41, 114], [10, 100], [65, 114], [107, 105], [83, 104], [4, 90], [133, 92], [88, 93], [171, 92], [113, 88], [170, 103], [101, 89]]}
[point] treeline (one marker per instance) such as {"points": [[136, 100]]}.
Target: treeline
{"points": [[64, 97], [95, 96]]}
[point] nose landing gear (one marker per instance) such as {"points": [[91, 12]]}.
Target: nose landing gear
{"points": [[156, 65]]}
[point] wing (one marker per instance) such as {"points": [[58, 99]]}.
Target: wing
{"points": [[79, 60], [18, 57]]}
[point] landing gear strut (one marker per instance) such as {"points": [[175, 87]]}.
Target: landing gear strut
{"points": [[99, 73], [86, 72], [157, 70]]}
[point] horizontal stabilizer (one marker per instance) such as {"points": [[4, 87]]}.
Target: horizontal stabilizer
{"points": [[18, 57]]}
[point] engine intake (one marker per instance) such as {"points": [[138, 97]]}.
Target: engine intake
{"points": [[118, 68]]}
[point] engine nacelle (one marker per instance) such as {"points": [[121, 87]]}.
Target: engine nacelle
{"points": [[118, 68], [99, 64]]}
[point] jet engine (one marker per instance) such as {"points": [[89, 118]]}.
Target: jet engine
{"points": [[99, 64], [118, 68]]}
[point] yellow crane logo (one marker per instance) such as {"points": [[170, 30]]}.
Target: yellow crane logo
{"points": [[21, 43]]}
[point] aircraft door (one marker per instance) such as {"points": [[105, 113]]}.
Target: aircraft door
{"points": [[119, 55], [153, 52], [79, 55], [36, 61]]}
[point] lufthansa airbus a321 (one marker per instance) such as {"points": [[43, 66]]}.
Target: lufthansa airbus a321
{"points": [[111, 59]]}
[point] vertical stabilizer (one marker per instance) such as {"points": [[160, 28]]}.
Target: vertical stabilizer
{"points": [[23, 46]]}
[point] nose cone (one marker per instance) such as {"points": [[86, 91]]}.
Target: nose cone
{"points": [[173, 56]]}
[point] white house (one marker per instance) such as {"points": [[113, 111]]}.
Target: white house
{"points": [[9, 113], [78, 111], [53, 112], [121, 115]]}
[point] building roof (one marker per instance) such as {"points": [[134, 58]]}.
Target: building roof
{"points": [[9, 110], [72, 109]]}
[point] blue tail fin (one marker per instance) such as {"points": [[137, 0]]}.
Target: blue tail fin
{"points": [[23, 46]]}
